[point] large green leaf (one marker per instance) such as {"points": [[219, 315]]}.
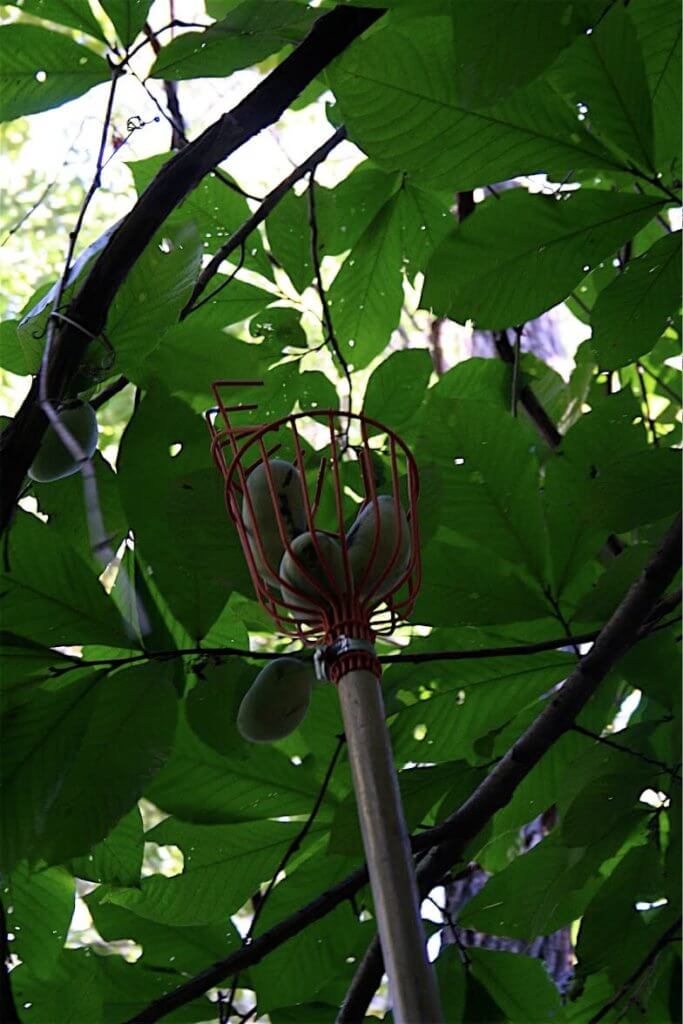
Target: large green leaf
{"points": [[658, 25], [500, 47], [42, 732], [198, 784], [603, 74], [174, 502], [151, 297], [118, 857], [132, 719], [248, 34], [39, 907], [397, 94], [127, 17], [469, 586], [74, 13], [50, 594], [479, 698], [186, 948], [224, 865], [393, 391], [40, 69], [630, 315], [615, 934], [520, 254], [519, 984], [216, 208]]}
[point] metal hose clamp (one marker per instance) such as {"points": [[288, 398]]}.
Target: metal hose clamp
{"points": [[326, 655]]}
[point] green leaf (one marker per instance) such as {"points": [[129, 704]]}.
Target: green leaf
{"points": [[236, 302], [152, 295], [658, 26], [32, 327], [40, 69], [42, 731], [51, 595], [224, 865], [366, 296], [396, 92], [118, 857], [191, 356], [478, 698], [217, 209], [39, 907], [186, 949], [211, 705], [611, 587], [605, 73], [180, 508], [198, 784], [520, 254], [12, 356], [21, 659], [615, 934], [247, 35], [520, 985], [514, 42], [132, 719], [127, 17], [391, 395], [469, 586], [74, 986], [74, 13], [632, 313], [64, 502]]}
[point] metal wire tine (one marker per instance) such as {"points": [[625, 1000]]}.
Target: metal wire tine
{"points": [[338, 489], [310, 522]]}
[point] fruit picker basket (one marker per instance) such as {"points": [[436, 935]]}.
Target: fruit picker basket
{"points": [[325, 506]]}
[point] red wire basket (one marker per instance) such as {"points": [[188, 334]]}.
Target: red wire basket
{"points": [[325, 505]]}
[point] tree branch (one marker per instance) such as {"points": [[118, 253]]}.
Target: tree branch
{"points": [[497, 789], [269, 202], [329, 36], [620, 633]]}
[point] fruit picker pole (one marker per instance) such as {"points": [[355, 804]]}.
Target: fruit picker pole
{"points": [[412, 982]]}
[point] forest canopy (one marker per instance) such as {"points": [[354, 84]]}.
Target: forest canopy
{"points": [[461, 218]]}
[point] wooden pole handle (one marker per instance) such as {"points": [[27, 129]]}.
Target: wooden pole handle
{"points": [[385, 837]]}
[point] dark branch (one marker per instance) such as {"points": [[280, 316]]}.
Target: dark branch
{"points": [[330, 35]]}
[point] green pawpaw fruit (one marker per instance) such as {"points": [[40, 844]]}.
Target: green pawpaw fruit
{"points": [[276, 702], [53, 461]]}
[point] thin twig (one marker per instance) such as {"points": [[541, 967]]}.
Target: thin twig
{"points": [[515, 370], [106, 393], [224, 284], [665, 387], [518, 650], [672, 770], [250, 225], [646, 405]]}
